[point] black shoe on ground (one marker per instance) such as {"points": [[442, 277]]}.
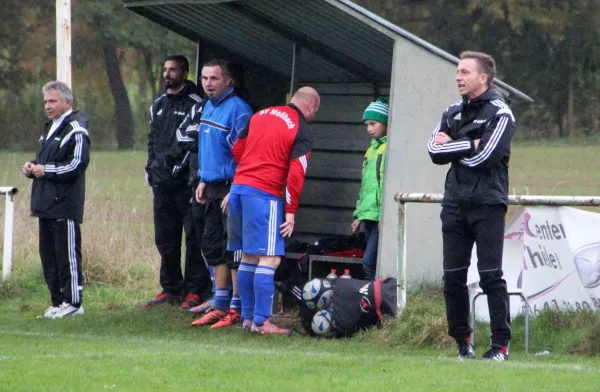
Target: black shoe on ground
{"points": [[465, 350], [496, 353], [164, 298]]}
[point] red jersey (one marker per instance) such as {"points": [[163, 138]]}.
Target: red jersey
{"points": [[272, 152]]}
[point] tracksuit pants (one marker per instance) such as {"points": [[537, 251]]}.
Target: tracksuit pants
{"points": [[173, 217], [60, 252], [214, 238], [463, 226]]}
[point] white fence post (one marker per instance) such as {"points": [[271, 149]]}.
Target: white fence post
{"points": [[9, 192]]}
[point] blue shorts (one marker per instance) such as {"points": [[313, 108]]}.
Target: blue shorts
{"points": [[254, 218]]}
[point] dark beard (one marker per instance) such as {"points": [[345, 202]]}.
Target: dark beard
{"points": [[172, 84]]}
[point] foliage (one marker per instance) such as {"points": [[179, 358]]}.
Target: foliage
{"points": [[27, 61], [590, 343], [549, 49], [127, 42]]}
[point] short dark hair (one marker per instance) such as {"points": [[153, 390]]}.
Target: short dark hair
{"points": [[224, 64], [487, 65], [181, 60]]}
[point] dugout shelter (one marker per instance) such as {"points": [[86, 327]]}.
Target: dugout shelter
{"points": [[350, 56]]}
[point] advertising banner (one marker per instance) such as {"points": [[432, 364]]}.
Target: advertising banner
{"points": [[553, 255]]}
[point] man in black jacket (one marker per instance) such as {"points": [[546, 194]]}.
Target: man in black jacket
{"points": [[167, 172], [474, 136], [58, 196]]}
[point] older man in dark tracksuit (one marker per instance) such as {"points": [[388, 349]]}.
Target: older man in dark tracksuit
{"points": [[58, 196]]}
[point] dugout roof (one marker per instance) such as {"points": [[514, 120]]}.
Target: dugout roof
{"points": [[340, 41]]}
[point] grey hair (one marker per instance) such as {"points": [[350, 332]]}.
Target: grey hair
{"points": [[65, 92]]}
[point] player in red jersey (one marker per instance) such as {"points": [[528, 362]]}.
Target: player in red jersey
{"points": [[271, 152]]}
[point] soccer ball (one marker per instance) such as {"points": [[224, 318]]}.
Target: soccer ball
{"points": [[321, 322], [312, 292], [325, 299]]}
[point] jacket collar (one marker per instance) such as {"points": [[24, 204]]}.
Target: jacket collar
{"points": [[59, 120], [376, 142], [188, 88], [223, 97], [298, 110], [488, 95]]}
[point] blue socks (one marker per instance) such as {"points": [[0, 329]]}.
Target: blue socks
{"points": [[246, 288], [222, 299], [264, 288], [236, 302]]}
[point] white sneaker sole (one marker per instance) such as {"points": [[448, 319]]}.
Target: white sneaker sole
{"points": [[50, 313], [73, 311]]}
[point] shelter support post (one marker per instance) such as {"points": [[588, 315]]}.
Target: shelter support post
{"points": [[199, 60], [295, 68]]}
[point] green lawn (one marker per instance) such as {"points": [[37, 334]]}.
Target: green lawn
{"points": [[118, 345]]}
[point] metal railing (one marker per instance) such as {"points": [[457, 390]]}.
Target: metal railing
{"points": [[524, 200]]}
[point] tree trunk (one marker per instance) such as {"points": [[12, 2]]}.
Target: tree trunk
{"points": [[558, 120], [123, 115], [570, 109], [151, 75], [594, 106]]}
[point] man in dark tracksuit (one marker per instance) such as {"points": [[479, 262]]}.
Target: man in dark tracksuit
{"points": [[187, 141], [474, 137], [169, 180], [58, 196]]}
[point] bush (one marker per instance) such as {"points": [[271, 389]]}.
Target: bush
{"points": [[22, 119]]}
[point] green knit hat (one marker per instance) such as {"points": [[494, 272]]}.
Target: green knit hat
{"points": [[377, 111]]}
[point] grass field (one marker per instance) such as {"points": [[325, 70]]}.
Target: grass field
{"points": [[118, 345]]}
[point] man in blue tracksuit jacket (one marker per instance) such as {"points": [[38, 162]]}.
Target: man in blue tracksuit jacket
{"points": [[223, 117]]}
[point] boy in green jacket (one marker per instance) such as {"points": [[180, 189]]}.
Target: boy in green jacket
{"points": [[368, 206]]}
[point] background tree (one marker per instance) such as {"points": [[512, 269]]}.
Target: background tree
{"points": [[550, 49], [121, 36], [547, 48]]}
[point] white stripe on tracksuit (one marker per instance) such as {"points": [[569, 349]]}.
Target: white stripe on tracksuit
{"points": [[490, 145], [74, 163], [446, 147], [71, 235], [272, 238]]}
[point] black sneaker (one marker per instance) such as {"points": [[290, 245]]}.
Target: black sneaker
{"points": [[465, 351], [496, 353], [163, 298]]}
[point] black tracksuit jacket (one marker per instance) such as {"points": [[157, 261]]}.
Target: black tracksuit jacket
{"points": [[477, 175], [60, 192], [164, 156]]}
